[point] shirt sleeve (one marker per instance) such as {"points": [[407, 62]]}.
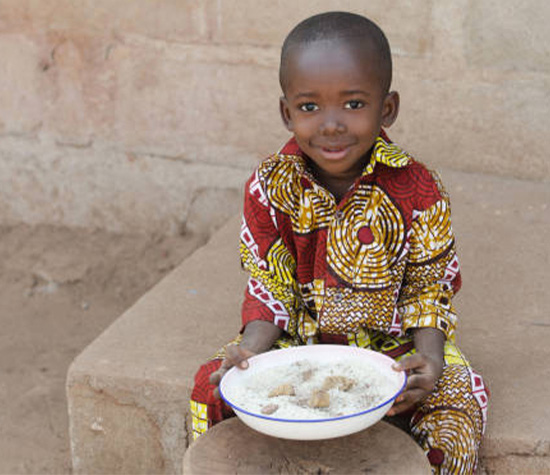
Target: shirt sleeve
{"points": [[271, 292], [432, 275]]}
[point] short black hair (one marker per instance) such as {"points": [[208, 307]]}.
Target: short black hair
{"points": [[345, 26]]}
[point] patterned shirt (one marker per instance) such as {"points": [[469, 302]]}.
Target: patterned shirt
{"points": [[383, 258]]}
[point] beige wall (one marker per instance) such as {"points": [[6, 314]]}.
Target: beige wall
{"points": [[148, 115]]}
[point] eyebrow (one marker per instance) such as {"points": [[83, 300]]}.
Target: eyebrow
{"points": [[311, 95], [354, 92], [306, 95]]}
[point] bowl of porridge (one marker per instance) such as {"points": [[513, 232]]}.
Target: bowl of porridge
{"points": [[313, 392]]}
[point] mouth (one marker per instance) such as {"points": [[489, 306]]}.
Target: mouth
{"points": [[334, 152]]}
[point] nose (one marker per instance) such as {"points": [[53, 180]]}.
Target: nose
{"points": [[331, 124]]}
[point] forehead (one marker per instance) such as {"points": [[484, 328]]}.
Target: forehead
{"points": [[329, 63]]}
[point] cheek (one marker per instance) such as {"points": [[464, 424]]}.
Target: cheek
{"points": [[366, 125], [304, 128]]}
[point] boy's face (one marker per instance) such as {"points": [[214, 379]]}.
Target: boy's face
{"points": [[335, 105]]}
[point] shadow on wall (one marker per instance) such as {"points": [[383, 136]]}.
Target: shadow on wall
{"points": [[210, 209]]}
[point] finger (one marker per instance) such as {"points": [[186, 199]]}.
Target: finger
{"points": [[216, 377], [237, 356], [399, 408], [234, 356], [407, 400], [420, 381], [410, 362], [409, 397], [399, 398]]}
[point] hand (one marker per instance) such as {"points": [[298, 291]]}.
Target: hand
{"points": [[235, 355], [423, 372], [258, 336]]}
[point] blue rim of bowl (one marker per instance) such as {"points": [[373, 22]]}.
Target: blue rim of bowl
{"points": [[338, 418]]}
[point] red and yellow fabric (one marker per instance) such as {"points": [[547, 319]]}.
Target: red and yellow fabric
{"points": [[448, 425], [362, 272], [383, 258]]}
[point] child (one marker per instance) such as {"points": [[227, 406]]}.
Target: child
{"points": [[348, 240]]}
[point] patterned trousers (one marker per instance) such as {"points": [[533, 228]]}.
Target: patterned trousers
{"points": [[448, 424]]}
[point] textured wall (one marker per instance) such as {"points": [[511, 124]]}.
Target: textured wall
{"points": [[148, 115]]}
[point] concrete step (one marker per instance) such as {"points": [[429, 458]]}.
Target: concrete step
{"points": [[128, 391]]}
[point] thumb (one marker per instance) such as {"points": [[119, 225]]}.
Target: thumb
{"points": [[238, 356]]}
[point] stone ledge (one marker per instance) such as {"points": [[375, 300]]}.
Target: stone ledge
{"points": [[131, 386], [128, 390]]}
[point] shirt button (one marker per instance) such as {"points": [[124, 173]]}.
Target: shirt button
{"points": [[339, 215], [338, 297]]}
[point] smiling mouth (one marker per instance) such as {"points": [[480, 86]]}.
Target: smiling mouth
{"points": [[335, 152]]}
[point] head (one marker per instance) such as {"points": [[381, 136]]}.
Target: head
{"points": [[335, 75]]}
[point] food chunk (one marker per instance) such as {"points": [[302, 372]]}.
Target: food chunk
{"points": [[341, 382], [282, 390], [319, 398], [269, 409], [307, 374]]}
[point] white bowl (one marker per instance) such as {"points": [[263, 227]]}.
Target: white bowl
{"points": [[312, 429]]}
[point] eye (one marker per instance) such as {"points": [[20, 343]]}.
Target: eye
{"points": [[308, 107], [354, 105]]}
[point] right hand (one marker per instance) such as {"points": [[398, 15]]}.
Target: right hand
{"points": [[235, 355]]}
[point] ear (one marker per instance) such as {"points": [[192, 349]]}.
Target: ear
{"points": [[390, 108], [285, 113]]}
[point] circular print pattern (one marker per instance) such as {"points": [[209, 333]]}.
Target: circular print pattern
{"points": [[432, 233], [367, 240]]}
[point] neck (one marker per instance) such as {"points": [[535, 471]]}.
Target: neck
{"points": [[339, 184]]}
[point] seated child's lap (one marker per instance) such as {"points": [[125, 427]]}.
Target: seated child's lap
{"points": [[396, 347], [457, 386]]}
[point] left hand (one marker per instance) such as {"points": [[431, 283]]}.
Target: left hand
{"points": [[423, 372]]}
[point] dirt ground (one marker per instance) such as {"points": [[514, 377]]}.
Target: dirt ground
{"points": [[59, 288]]}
